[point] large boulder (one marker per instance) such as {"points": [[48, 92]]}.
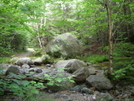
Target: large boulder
{"points": [[14, 59], [25, 60], [74, 65], [3, 68], [70, 65], [66, 45], [99, 81], [13, 69], [44, 59], [81, 74], [38, 61], [92, 70], [62, 63]]}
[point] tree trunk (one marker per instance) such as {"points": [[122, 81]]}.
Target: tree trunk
{"points": [[110, 27]]}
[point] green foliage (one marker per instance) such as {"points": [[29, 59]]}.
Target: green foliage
{"points": [[1, 72], [38, 52], [47, 58], [36, 20], [96, 58], [27, 90], [58, 59], [22, 88], [118, 0], [123, 61], [124, 73], [123, 54], [12, 34], [8, 45], [58, 78], [4, 59]]}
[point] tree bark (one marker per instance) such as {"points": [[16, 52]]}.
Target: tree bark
{"points": [[110, 28]]}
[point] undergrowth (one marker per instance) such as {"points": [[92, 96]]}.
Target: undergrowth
{"points": [[27, 90], [4, 59], [123, 62], [96, 58]]}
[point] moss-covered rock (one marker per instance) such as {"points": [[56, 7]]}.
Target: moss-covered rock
{"points": [[66, 45]]}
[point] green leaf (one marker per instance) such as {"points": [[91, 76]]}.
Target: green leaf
{"points": [[117, 0], [58, 79], [35, 91], [50, 83], [25, 83], [72, 81]]}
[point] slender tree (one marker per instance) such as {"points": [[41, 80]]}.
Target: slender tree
{"points": [[110, 28]]}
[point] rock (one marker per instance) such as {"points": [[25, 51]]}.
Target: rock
{"points": [[14, 59], [25, 66], [77, 88], [25, 60], [99, 81], [13, 69], [82, 89], [39, 70], [3, 68], [48, 65], [62, 63], [99, 72], [103, 97], [92, 71], [132, 90], [81, 74], [70, 65], [37, 61], [74, 65], [9, 97], [24, 70], [4, 65], [66, 45], [34, 73], [31, 70], [86, 90]]}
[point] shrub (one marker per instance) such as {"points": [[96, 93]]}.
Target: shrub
{"points": [[123, 61], [123, 55], [27, 90], [58, 78], [38, 52], [22, 88], [124, 73], [96, 58]]}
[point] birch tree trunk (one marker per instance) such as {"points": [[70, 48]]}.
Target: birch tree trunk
{"points": [[110, 34]]}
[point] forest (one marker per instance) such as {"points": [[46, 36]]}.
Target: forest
{"points": [[104, 28]]}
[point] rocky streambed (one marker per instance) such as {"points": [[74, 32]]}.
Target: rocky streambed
{"points": [[91, 82]]}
